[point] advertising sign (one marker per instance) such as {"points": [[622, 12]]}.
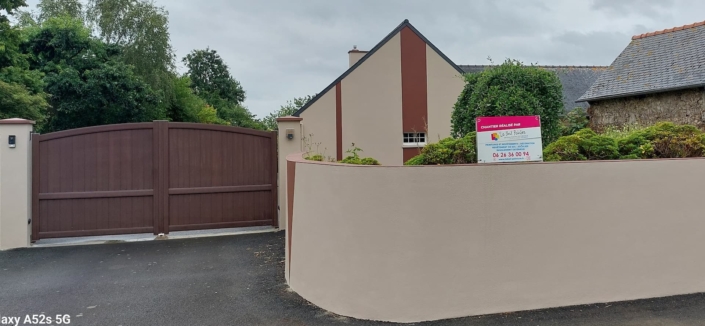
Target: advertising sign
{"points": [[509, 139]]}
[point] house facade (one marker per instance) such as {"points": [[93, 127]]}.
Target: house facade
{"points": [[398, 96], [658, 77]]}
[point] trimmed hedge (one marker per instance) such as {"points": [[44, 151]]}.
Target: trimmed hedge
{"points": [[510, 89], [662, 140]]}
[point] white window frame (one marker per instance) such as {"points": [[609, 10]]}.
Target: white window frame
{"points": [[414, 139]]}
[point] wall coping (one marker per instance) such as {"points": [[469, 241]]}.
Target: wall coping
{"points": [[299, 158], [289, 119], [16, 121]]}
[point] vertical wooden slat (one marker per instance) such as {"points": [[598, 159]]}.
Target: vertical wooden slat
{"points": [[103, 161], [66, 149], [161, 176], [273, 179], [126, 144], [35, 187], [78, 166]]}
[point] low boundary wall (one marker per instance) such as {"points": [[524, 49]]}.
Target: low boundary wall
{"points": [[407, 244]]}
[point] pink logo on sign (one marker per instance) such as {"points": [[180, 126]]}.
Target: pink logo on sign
{"points": [[505, 123]]}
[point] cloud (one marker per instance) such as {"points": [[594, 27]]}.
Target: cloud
{"points": [[649, 8]]}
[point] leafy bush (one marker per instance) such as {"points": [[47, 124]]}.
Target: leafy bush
{"points": [[416, 160], [662, 140], [510, 89], [599, 148], [573, 121], [448, 151], [315, 157], [355, 158], [369, 161], [566, 148]]}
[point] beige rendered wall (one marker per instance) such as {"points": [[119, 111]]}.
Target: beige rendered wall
{"points": [[409, 244], [15, 185], [444, 87], [319, 121], [371, 105]]}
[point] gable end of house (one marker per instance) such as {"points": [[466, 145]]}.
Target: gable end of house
{"points": [[370, 53]]}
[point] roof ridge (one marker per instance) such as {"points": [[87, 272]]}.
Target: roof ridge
{"points": [[668, 30]]}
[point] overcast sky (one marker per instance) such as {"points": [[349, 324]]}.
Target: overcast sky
{"points": [[281, 49]]}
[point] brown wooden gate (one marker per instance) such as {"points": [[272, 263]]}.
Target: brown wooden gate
{"points": [[152, 177]]}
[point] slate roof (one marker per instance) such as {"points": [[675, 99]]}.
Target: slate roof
{"points": [[666, 60], [575, 80]]}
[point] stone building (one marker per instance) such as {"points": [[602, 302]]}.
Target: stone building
{"points": [[658, 77]]}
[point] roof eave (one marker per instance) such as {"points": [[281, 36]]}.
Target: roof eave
{"points": [[657, 91]]}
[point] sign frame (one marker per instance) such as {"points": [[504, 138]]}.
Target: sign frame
{"points": [[509, 139]]}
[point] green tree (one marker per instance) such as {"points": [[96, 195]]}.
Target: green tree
{"points": [[88, 83], [507, 90], [291, 106], [17, 102], [57, 8], [108, 94], [9, 6], [211, 80], [21, 89], [185, 106], [141, 29]]}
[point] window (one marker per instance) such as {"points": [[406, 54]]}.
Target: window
{"points": [[414, 139]]}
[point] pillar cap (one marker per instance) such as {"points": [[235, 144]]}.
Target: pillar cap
{"points": [[16, 121], [289, 119]]}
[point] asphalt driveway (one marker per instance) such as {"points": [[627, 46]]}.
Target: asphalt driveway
{"points": [[232, 280]]}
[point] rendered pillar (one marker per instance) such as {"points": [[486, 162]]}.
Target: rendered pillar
{"points": [[15, 183]]}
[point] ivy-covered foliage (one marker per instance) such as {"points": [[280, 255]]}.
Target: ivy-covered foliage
{"points": [[448, 151], [663, 140], [510, 89]]}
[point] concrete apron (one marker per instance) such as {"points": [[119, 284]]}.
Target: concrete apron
{"points": [[104, 239]]}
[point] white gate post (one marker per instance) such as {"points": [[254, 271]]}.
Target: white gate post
{"points": [[286, 144], [15, 183]]}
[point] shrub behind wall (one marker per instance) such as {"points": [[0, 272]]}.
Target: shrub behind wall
{"points": [[663, 140], [510, 89]]}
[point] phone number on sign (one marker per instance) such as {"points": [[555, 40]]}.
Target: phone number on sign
{"points": [[40, 319], [510, 154]]}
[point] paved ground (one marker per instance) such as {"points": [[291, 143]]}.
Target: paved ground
{"points": [[232, 280]]}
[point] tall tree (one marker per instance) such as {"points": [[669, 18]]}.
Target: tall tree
{"points": [[142, 30], [9, 6], [57, 8], [291, 106], [88, 83], [210, 76], [211, 80], [21, 89]]}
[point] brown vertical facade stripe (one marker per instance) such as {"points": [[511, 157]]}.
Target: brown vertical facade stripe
{"points": [[414, 90], [339, 121], [290, 179]]}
